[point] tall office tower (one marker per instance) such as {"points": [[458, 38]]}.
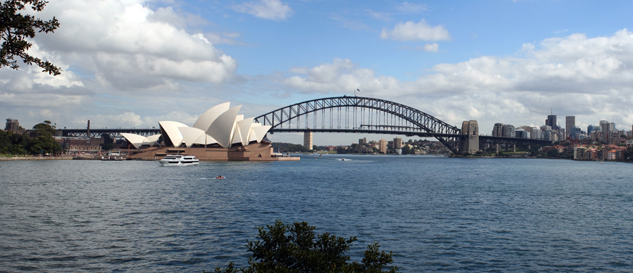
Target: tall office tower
{"points": [[362, 141], [382, 146], [570, 123], [508, 130], [12, 125], [397, 143], [605, 126], [551, 122], [535, 133], [497, 130], [589, 129]]}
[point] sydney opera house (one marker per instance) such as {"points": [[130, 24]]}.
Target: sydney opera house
{"points": [[220, 134]]}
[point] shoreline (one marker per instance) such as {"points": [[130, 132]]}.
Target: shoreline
{"points": [[16, 158]]}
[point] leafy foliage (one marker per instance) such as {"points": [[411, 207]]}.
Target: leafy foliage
{"points": [[288, 147], [43, 142], [16, 30], [296, 248]]}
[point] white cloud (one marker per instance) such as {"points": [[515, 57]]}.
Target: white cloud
{"points": [[128, 45], [411, 7], [266, 9], [229, 38], [350, 23], [434, 47], [117, 57], [576, 75], [410, 30], [340, 76], [384, 16]]}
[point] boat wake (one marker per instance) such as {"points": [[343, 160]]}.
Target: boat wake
{"points": [[212, 178]]}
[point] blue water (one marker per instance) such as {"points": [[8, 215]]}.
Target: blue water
{"points": [[434, 213]]}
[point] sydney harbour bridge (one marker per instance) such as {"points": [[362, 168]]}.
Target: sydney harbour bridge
{"points": [[352, 114]]}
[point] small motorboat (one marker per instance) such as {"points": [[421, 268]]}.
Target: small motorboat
{"points": [[219, 177], [179, 160]]}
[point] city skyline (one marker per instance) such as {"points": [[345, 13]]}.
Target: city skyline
{"points": [[134, 63]]}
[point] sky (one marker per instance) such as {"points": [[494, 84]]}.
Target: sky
{"points": [[132, 63]]}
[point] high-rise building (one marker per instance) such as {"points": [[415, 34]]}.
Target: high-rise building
{"points": [[575, 132], [589, 129], [535, 133], [497, 130], [521, 133], [606, 129], [570, 123], [551, 121], [362, 141], [508, 130], [12, 125], [382, 146], [397, 143]]}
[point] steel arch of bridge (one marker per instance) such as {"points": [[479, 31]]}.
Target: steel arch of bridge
{"points": [[397, 119]]}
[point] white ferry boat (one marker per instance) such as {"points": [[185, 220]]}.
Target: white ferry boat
{"points": [[179, 160]]}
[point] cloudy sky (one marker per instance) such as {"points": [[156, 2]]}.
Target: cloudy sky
{"points": [[132, 63]]}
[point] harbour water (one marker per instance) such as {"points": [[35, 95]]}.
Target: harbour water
{"points": [[433, 213]]}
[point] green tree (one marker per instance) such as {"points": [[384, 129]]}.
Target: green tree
{"points": [[553, 153], [16, 31], [5, 142], [296, 248], [44, 141]]}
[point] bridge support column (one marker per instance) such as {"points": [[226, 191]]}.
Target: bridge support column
{"points": [[497, 146], [307, 140], [469, 142], [514, 148]]}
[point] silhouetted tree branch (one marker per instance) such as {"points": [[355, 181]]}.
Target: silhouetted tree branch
{"points": [[16, 31]]}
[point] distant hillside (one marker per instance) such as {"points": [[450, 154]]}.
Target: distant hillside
{"points": [[282, 147]]}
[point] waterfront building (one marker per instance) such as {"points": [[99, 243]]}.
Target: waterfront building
{"points": [[397, 145], [362, 141], [219, 134], [580, 153], [382, 146], [570, 122]]}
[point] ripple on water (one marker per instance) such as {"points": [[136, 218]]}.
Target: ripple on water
{"points": [[434, 213]]}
